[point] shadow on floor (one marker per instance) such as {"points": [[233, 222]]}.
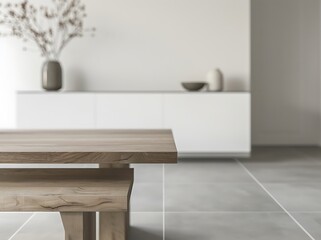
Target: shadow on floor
{"points": [[141, 234]]}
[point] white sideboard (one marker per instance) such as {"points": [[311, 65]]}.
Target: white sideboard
{"points": [[204, 124]]}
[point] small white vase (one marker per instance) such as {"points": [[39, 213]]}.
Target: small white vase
{"points": [[215, 80]]}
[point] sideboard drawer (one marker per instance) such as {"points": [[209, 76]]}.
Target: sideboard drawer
{"points": [[209, 123], [56, 111], [129, 111]]}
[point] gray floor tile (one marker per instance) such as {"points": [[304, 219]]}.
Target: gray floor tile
{"points": [[297, 196], [286, 173], [277, 154], [311, 152], [42, 226], [10, 223], [206, 171], [283, 165], [311, 222], [146, 226], [148, 173], [147, 197], [232, 226], [217, 197]]}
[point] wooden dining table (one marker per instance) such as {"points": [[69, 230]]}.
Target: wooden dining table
{"points": [[111, 149]]}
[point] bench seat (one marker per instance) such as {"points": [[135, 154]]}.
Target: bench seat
{"points": [[65, 190]]}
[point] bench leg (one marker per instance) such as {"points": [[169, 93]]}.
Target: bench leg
{"points": [[79, 225], [113, 226]]}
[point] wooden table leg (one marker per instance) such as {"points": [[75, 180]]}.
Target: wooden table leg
{"points": [[79, 225], [114, 226]]}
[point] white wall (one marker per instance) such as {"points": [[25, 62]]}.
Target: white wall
{"points": [[143, 45], [153, 45], [286, 72], [8, 76]]}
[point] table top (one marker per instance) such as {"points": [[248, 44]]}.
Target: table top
{"points": [[87, 146]]}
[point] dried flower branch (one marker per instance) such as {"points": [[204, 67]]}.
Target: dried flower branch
{"points": [[63, 21]]}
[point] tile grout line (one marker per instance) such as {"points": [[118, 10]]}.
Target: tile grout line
{"points": [[22, 226], [163, 201], [275, 200]]}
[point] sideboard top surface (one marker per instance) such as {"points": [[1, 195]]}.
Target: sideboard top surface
{"points": [[129, 92], [87, 146]]}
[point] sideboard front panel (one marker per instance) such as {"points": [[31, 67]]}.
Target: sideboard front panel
{"points": [[204, 124], [209, 123], [129, 111], [56, 111]]}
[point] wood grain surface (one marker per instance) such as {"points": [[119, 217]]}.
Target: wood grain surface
{"points": [[79, 225], [113, 226], [65, 190], [87, 146]]}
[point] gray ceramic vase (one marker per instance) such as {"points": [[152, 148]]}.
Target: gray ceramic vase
{"points": [[51, 75]]}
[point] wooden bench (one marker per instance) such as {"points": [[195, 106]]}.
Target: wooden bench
{"points": [[109, 148], [76, 193]]}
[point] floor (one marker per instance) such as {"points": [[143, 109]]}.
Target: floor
{"points": [[276, 194]]}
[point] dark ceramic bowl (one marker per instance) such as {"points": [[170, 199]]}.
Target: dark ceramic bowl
{"points": [[193, 86]]}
